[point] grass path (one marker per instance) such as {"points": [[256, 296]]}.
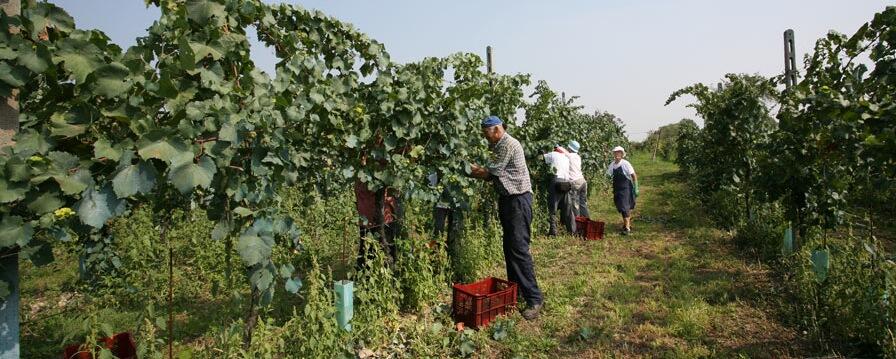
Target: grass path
{"points": [[676, 288]]}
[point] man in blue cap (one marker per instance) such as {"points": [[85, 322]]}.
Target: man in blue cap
{"points": [[507, 170]]}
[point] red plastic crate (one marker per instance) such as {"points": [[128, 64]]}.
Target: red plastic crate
{"points": [[122, 346], [581, 225], [477, 304], [588, 229]]}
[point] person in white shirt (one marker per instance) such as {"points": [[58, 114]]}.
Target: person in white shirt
{"points": [[559, 192], [579, 184], [625, 187]]}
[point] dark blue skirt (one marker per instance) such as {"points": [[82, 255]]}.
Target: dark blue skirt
{"points": [[623, 195]]}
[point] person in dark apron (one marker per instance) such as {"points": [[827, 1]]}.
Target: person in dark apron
{"points": [[625, 187]]}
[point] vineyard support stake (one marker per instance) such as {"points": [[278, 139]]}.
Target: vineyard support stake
{"points": [[789, 59]]}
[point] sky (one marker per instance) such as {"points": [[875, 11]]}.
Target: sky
{"points": [[624, 57]]}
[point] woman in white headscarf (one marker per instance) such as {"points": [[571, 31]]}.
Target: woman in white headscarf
{"points": [[625, 187]]}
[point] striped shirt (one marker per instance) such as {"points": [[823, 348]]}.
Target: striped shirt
{"points": [[507, 167]]}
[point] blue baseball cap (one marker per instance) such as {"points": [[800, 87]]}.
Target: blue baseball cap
{"points": [[574, 146], [491, 121]]}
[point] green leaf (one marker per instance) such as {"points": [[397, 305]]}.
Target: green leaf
{"points": [[35, 60], [872, 140], [188, 176], [61, 125], [7, 53], [317, 98], [253, 249], [111, 80], [67, 171], [18, 170], [13, 230], [59, 234], [77, 63], [11, 192], [227, 133], [351, 141], [106, 354], [29, 142], [416, 152], [133, 179], [63, 161], [45, 203], [262, 277], [293, 285], [48, 15], [243, 211], [201, 11], [97, 207], [467, 347], [14, 76], [76, 183], [102, 148], [500, 332], [185, 354], [201, 51], [161, 146], [286, 270]]}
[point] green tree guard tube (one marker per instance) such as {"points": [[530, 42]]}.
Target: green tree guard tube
{"points": [[345, 290]]}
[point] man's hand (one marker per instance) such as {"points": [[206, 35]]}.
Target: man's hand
{"points": [[477, 171]]}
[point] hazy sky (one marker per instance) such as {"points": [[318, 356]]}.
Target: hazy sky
{"points": [[624, 57]]}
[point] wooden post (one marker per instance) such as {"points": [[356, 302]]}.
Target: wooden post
{"points": [[9, 259]]}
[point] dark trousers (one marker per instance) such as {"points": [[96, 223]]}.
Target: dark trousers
{"points": [[580, 198], [373, 237], [515, 212], [560, 197], [453, 219]]}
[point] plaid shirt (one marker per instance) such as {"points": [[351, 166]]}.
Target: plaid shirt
{"points": [[507, 167]]}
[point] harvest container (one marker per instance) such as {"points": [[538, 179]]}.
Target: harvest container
{"points": [[121, 345], [588, 229], [477, 304]]}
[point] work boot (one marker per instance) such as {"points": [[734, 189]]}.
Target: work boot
{"points": [[532, 312]]}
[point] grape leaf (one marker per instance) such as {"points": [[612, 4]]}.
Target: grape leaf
{"points": [[98, 206], [133, 179], [13, 230], [188, 176], [253, 249]]}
